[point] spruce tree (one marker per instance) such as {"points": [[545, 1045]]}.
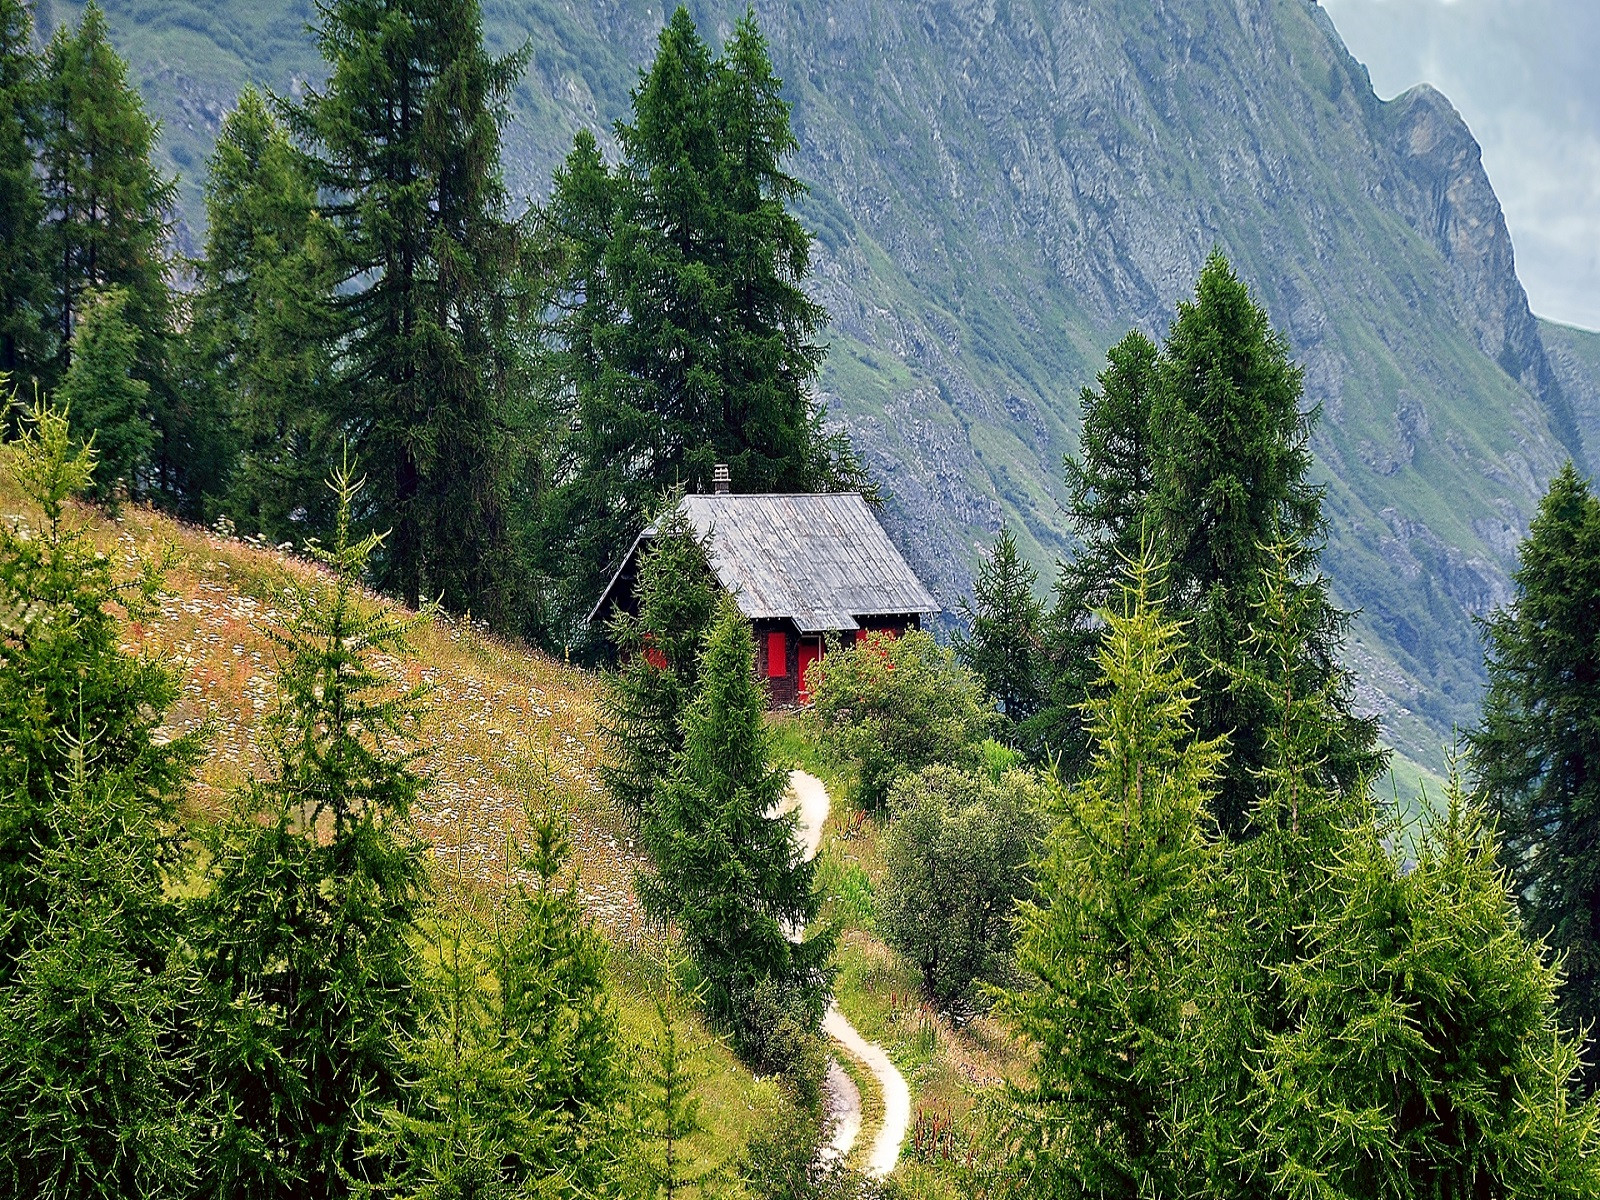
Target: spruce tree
{"points": [[516, 1062], [24, 295], [91, 970], [1103, 948], [303, 935], [1007, 622], [109, 211], [666, 1114], [109, 403], [645, 697], [727, 869], [1537, 754], [680, 326], [404, 143], [1108, 486], [262, 322]]}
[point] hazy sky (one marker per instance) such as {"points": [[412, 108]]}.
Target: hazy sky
{"points": [[1526, 76]]}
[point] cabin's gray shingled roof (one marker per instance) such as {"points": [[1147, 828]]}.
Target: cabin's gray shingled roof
{"points": [[820, 560]]}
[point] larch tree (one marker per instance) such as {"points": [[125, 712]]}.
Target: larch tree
{"points": [[1108, 485], [108, 402], [1536, 756], [93, 1067], [1105, 943], [261, 322], [647, 694], [1003, 646], [403, 142]]}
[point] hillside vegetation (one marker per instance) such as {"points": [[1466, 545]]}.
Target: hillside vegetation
{"points": [[998, 191], [504, 729]]}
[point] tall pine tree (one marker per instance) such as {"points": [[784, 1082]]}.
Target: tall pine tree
{"points": [[109, 210], [1007, 628], [404, 143], [109, 403], [261, 325], [682, 336], [24, 295], [1537, 754]]}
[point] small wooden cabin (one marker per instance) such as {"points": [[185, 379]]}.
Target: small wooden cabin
{"points": [[800, 567]]}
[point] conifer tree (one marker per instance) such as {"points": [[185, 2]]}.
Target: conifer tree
{"points": [[727, 869], [1103, 947], [647, 694], [303, 936], [62, 674], [24, 296], [91, 978], [1537, 755], [1007, 622], [515, 1066], [261, 325], [680, 325], [666, 1114], [109, 403], [1108, 486], [1421, 1056], [404, 140], [109, 210]]}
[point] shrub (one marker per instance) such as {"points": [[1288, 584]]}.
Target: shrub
{"points": [[956, 855], [893, 705]]}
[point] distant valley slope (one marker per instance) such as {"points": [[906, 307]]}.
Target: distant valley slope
{"points": [[1000, 188]]}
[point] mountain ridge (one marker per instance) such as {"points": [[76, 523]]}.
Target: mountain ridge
{"points": [[1000, 189]]}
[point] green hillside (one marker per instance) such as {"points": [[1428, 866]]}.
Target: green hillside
{"points": [[1000, 189]]}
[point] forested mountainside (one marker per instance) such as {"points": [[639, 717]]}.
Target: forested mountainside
{"points": [[999, 190]]}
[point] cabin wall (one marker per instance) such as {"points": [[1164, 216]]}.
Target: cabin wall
{"points": [[783, 684]]}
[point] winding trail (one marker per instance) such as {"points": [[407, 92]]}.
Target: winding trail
{"points": [[809, 800]]}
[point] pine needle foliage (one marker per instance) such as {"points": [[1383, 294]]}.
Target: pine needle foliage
{"points": [[403, 144], [315, 887], [681, 333], [108, 211], [515, 1067], [1007, 629], [665, 1115], [659, 647], [261, 315], [63, 674], [728, 871], [1536, 757], [92, 972], [24, 280], [107, 399], [1102, 947], [1422, 1056]]}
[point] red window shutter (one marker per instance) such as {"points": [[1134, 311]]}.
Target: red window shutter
{"points": [[861, 636], [777, 654]]}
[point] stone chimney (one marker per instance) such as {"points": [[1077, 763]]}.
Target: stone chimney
{"points": [[720, 480]]}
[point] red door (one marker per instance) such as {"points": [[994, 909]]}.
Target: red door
{"points": [[810, 652]]}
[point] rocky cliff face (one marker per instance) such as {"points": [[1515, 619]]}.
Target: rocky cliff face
{"points": [[1000, 188]]}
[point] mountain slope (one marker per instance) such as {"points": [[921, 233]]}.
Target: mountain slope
{"points": [[1001, 187]]}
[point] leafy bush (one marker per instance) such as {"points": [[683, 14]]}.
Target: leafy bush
{"points": [[893, 705], [956, 855]]}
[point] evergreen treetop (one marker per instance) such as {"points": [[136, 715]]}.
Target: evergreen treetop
{"points": [[1007, 630], [1536, 756]]}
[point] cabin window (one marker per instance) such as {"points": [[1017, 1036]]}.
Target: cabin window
{"points": [[777, 654]]}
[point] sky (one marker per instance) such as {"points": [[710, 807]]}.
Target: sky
{"points": [[1526, 76]]}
